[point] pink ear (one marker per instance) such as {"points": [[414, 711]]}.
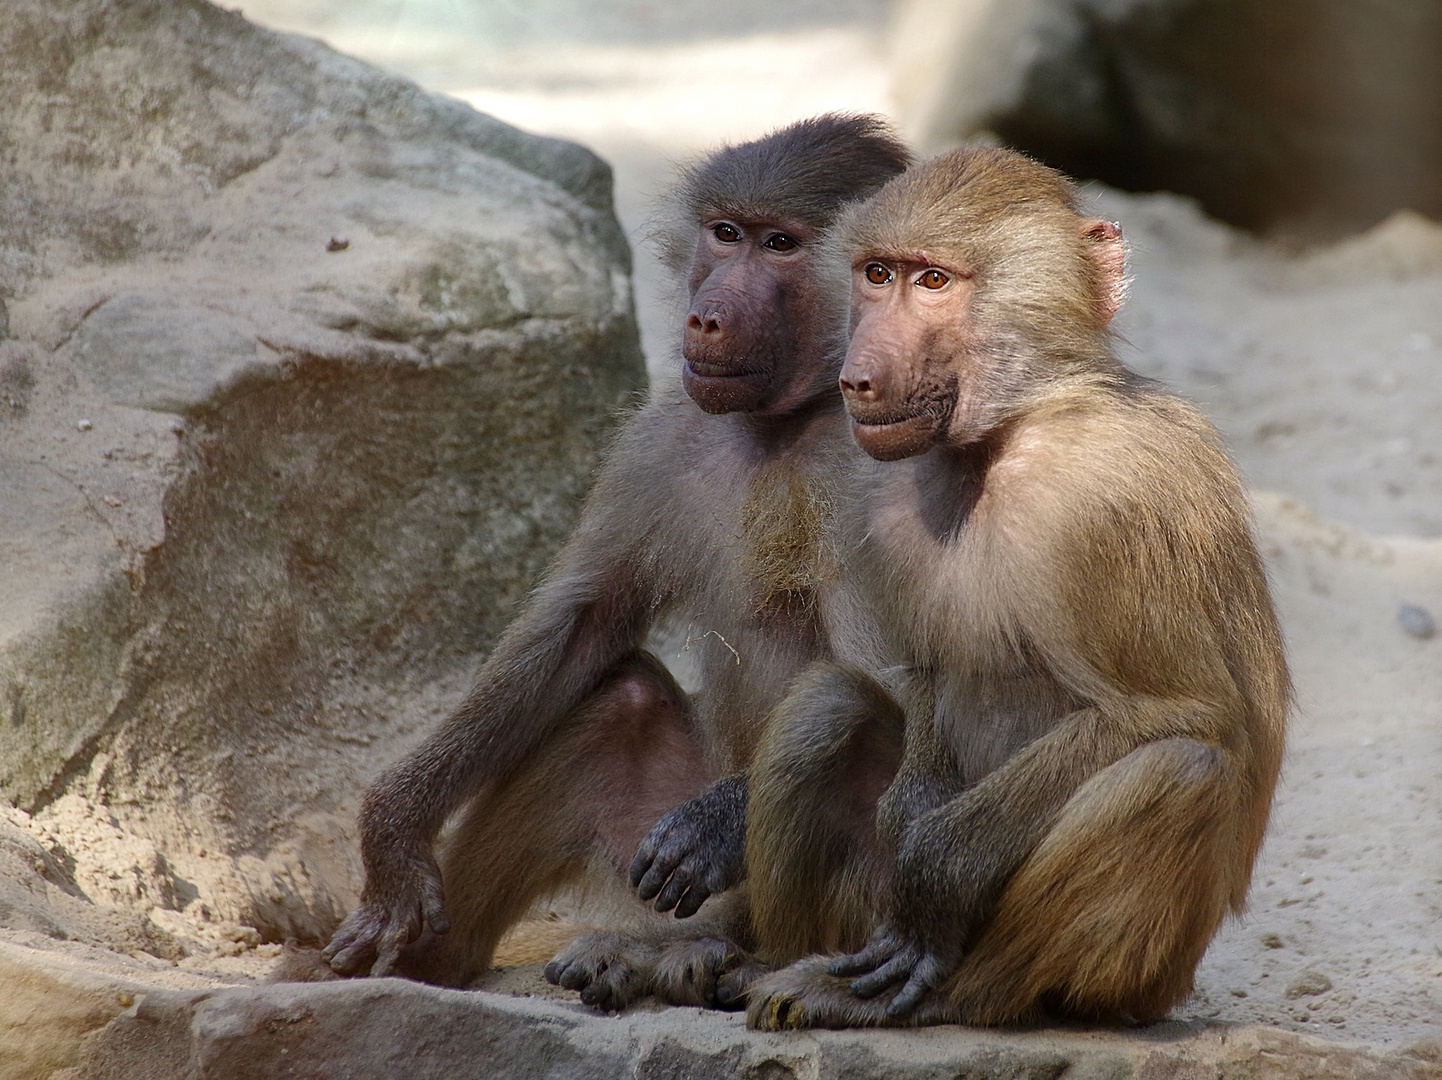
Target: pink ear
{"points": [[1109, 254]]}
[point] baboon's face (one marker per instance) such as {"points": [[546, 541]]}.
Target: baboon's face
{"points": [[909, 337], [752, 341]]}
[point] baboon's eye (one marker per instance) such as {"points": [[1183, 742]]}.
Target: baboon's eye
{"points": [[726, 232], [877, 274], [780, 242], [933, 279]]}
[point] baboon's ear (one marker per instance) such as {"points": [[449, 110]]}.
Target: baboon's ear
{"points": [[1104, 243]]}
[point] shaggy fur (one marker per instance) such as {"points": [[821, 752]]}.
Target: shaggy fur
{"points": [[574, 739], [1065, 564]]}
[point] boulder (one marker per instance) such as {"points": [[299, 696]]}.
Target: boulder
{"points": [[385, 1028], [1308, 117], [303, 375]]}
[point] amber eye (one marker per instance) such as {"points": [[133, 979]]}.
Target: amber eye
{"points": [[877, 274], [780, 242], [932, 279], [726, 232]]}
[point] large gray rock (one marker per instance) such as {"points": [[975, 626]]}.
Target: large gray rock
{"points": [[1309, 116], [303, 373], [385, 1028]]}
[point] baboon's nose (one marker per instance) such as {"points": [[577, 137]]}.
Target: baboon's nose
{"points": [[864, 379], [707, 322]]}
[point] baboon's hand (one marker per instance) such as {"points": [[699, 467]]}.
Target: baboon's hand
{"points": [[393, 911], [694, 851], [893, 956]]}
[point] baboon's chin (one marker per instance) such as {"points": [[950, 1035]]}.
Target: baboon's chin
{"points": [[897, 439], [741, 391]]}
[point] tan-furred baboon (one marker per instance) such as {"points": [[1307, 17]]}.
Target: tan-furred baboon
{"points": [[1076, 663], [708, 511]]}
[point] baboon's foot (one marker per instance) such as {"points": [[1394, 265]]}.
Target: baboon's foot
{"points": [[300, 964], [611, 970], [733, 987], [807, 995], [696, 972]]}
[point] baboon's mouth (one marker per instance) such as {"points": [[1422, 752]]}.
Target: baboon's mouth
{"points": [[723, 388], [894, 437], [705, 370]]}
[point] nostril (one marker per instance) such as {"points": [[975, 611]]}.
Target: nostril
{"points": [[708, 325], [856, 386]]}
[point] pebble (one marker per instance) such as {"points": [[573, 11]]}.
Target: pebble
{"points": [[1309, 984], [83, 425], [1416, 621]]}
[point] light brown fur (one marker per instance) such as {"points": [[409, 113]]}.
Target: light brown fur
{"points": [[1060, 553]]}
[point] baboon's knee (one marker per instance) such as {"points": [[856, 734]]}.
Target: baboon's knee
{"points": [[1175, 771], [1189, 761], [639, 686], [853, 693], [825, 708]]}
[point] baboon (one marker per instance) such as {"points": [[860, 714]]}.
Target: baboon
{"points": [[1043, 787], [706, 515]]}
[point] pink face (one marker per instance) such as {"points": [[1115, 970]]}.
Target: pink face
{"points": [[908, 319], [918, 373], [744, 345]]}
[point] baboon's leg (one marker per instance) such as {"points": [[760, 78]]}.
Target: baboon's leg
{"points": [[816, 868], [680, 961], [1110, 915], [1106, 919], [624, 757]]}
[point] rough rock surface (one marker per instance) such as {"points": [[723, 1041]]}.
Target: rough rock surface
{"points": [[303, 373], [332, 1029], [1311, 116]]}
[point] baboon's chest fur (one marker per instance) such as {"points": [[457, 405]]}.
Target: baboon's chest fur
{"points": [[786, 523]]}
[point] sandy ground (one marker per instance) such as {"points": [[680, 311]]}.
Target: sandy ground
{"points": [[1323, 369]]}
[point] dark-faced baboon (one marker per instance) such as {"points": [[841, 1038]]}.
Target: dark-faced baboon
{"points": [[1076, 662], [708, 512]]}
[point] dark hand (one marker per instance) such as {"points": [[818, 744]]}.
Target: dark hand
{"points": [[893, 957], [694, 851], [372, 936]]}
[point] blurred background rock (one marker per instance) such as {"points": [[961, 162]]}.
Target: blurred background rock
{"points": [[1302, 117], [304, 373]]}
